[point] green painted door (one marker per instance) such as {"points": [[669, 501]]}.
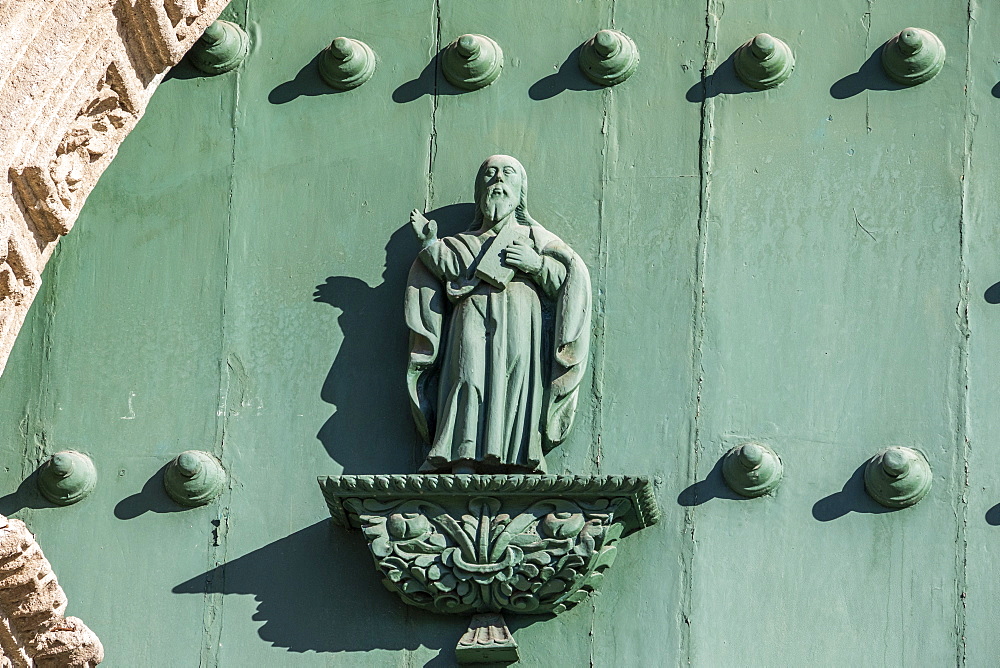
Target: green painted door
{"points": [[808, 267]]}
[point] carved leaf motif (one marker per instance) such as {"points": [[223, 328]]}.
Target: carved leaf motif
{"points": [[544, 557]]}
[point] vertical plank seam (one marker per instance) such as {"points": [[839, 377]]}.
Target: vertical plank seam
{"points": [[218, 552], [600, 304], [600, 301], [866, 21], [432, 138], [408, 619], [962, 312], [705, 146]]}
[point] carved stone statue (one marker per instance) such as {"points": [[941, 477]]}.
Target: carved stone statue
{"points": [[499, 320]]}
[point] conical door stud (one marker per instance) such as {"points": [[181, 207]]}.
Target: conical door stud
{"points": [[67, 477], [609, 58], [764, 62], [194, 478], [346, 63], [472, 62], [752, 470], [898, 477], [913, 56], [221, 48]]}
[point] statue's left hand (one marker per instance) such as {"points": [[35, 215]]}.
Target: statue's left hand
{"points": [[521, 255]]}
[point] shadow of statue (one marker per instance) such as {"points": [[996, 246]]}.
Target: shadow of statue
{"points": [[568, 77], [430, 81], [371, 430], [304, 582], [307, 82], [712, 487], [870, 76], [852, 498], [722, 81]]}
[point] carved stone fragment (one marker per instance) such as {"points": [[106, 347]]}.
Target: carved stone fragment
{"points": [[33, 630], [49, 191], [75, 78], [18, 259], [162, 30]]}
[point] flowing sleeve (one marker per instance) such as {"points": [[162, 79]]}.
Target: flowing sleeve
{"points": [[571, 340], [449, 260], [551, 276], [424, 305]]}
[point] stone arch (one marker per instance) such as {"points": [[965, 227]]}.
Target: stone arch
{"points": [[75, 78]]}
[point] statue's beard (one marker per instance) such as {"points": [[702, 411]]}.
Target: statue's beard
{"points": [[499, 203]]}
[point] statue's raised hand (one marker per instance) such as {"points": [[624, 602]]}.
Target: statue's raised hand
{"points": [[426, 230]]}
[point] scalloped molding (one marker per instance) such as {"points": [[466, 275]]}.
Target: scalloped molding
{"points": [[432, 486], [33, 630], [75, 78]]}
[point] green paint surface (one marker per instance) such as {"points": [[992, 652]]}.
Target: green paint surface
{"points": [[809, 268]]}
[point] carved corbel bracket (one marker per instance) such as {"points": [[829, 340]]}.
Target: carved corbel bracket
{"points": [[481, 544]]}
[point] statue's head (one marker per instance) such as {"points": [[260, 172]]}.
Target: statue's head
{"points": [[501, 188]]}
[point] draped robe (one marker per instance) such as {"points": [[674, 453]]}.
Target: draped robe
{"points": [[493, 377]]}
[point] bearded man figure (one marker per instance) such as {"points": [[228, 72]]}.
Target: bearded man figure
{"points": [[499, 321]]}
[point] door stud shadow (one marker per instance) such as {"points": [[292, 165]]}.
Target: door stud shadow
{"points": [[25, 496], [712, 487], [870, 76], [722, 81], [568, 77], [430, 81], [993, 516], [306, 83], [992, 294], [852, 498], [151, 498]]}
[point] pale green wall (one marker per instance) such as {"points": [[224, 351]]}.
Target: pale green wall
{"points": [[805, 267]]}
